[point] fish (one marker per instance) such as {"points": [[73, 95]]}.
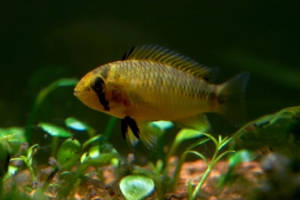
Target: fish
{"points": [[152, 83]]}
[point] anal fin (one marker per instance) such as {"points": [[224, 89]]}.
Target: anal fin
{"points": [[197, 122]]}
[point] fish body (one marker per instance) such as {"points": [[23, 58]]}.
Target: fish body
{"points": [[152, 83]]}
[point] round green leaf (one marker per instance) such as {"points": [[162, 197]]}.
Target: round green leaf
{"points": [[54, 130], [75, 124], [136, 187], [68, 153]]}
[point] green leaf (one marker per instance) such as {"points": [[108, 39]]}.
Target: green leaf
{"points": [[75, 124], [182, 135], [18, 159], [84, 157], [12, 133], [66, 174], [163, 125], [136, 187], [240, 157], [67, 82], [190, 189], [69, 153], [100, 160], [200, 155], [99, 139], [40, 98], [54, 130], [94, 152], [222, 155], [31, 151], [186, 134], [11, 171], [198, 142], [223, 142]]}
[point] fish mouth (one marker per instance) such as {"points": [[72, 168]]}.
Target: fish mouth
{"points": [[76, 93]]}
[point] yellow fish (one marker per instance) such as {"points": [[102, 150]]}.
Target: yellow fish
{"points": [[153, 83]]}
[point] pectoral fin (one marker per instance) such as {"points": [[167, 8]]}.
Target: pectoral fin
{"points": [[198, 122]]}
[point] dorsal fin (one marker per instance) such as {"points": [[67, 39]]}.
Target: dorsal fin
{"points": [[165, 56]]}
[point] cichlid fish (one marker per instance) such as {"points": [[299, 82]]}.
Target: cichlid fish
{"points": [[152, 83]]}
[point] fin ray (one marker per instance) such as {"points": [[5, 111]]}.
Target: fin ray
{"points": [[148, 135], [133, 126], [198, 122], [230, 97], [165, 56]]}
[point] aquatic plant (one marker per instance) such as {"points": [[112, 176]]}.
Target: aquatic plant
{"points": [[40, 98], [136, 187], [70, 159], [220, 143]]}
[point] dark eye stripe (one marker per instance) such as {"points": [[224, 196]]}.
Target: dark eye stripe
{"points": [[103, 101], [98, 87]]}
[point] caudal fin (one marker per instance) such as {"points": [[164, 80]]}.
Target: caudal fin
{"points": [[230, 98]]}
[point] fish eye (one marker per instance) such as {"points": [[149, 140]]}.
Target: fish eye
{"points": [[98, 85]]}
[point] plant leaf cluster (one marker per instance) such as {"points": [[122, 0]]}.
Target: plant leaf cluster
{"points": [[69, 158]]}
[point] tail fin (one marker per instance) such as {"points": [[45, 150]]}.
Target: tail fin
{"points": [[230, 97]]}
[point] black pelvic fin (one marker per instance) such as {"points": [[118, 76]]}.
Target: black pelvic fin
{"points": [[124, 128], [133, 126]]}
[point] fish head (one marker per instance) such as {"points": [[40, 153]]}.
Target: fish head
{"points": [[90, 88]]}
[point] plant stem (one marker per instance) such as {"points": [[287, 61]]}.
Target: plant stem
{"points": [[109, 127], [1, 187], [207, 171], [73, 180], [219, 144], [28, 164], [177, 171], [199, 186], [54, 145]]}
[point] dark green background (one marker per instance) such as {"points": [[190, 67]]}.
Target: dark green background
{"points": [[42, 41]]}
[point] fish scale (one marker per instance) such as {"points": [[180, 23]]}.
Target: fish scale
{"points": [[175, 83]]}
